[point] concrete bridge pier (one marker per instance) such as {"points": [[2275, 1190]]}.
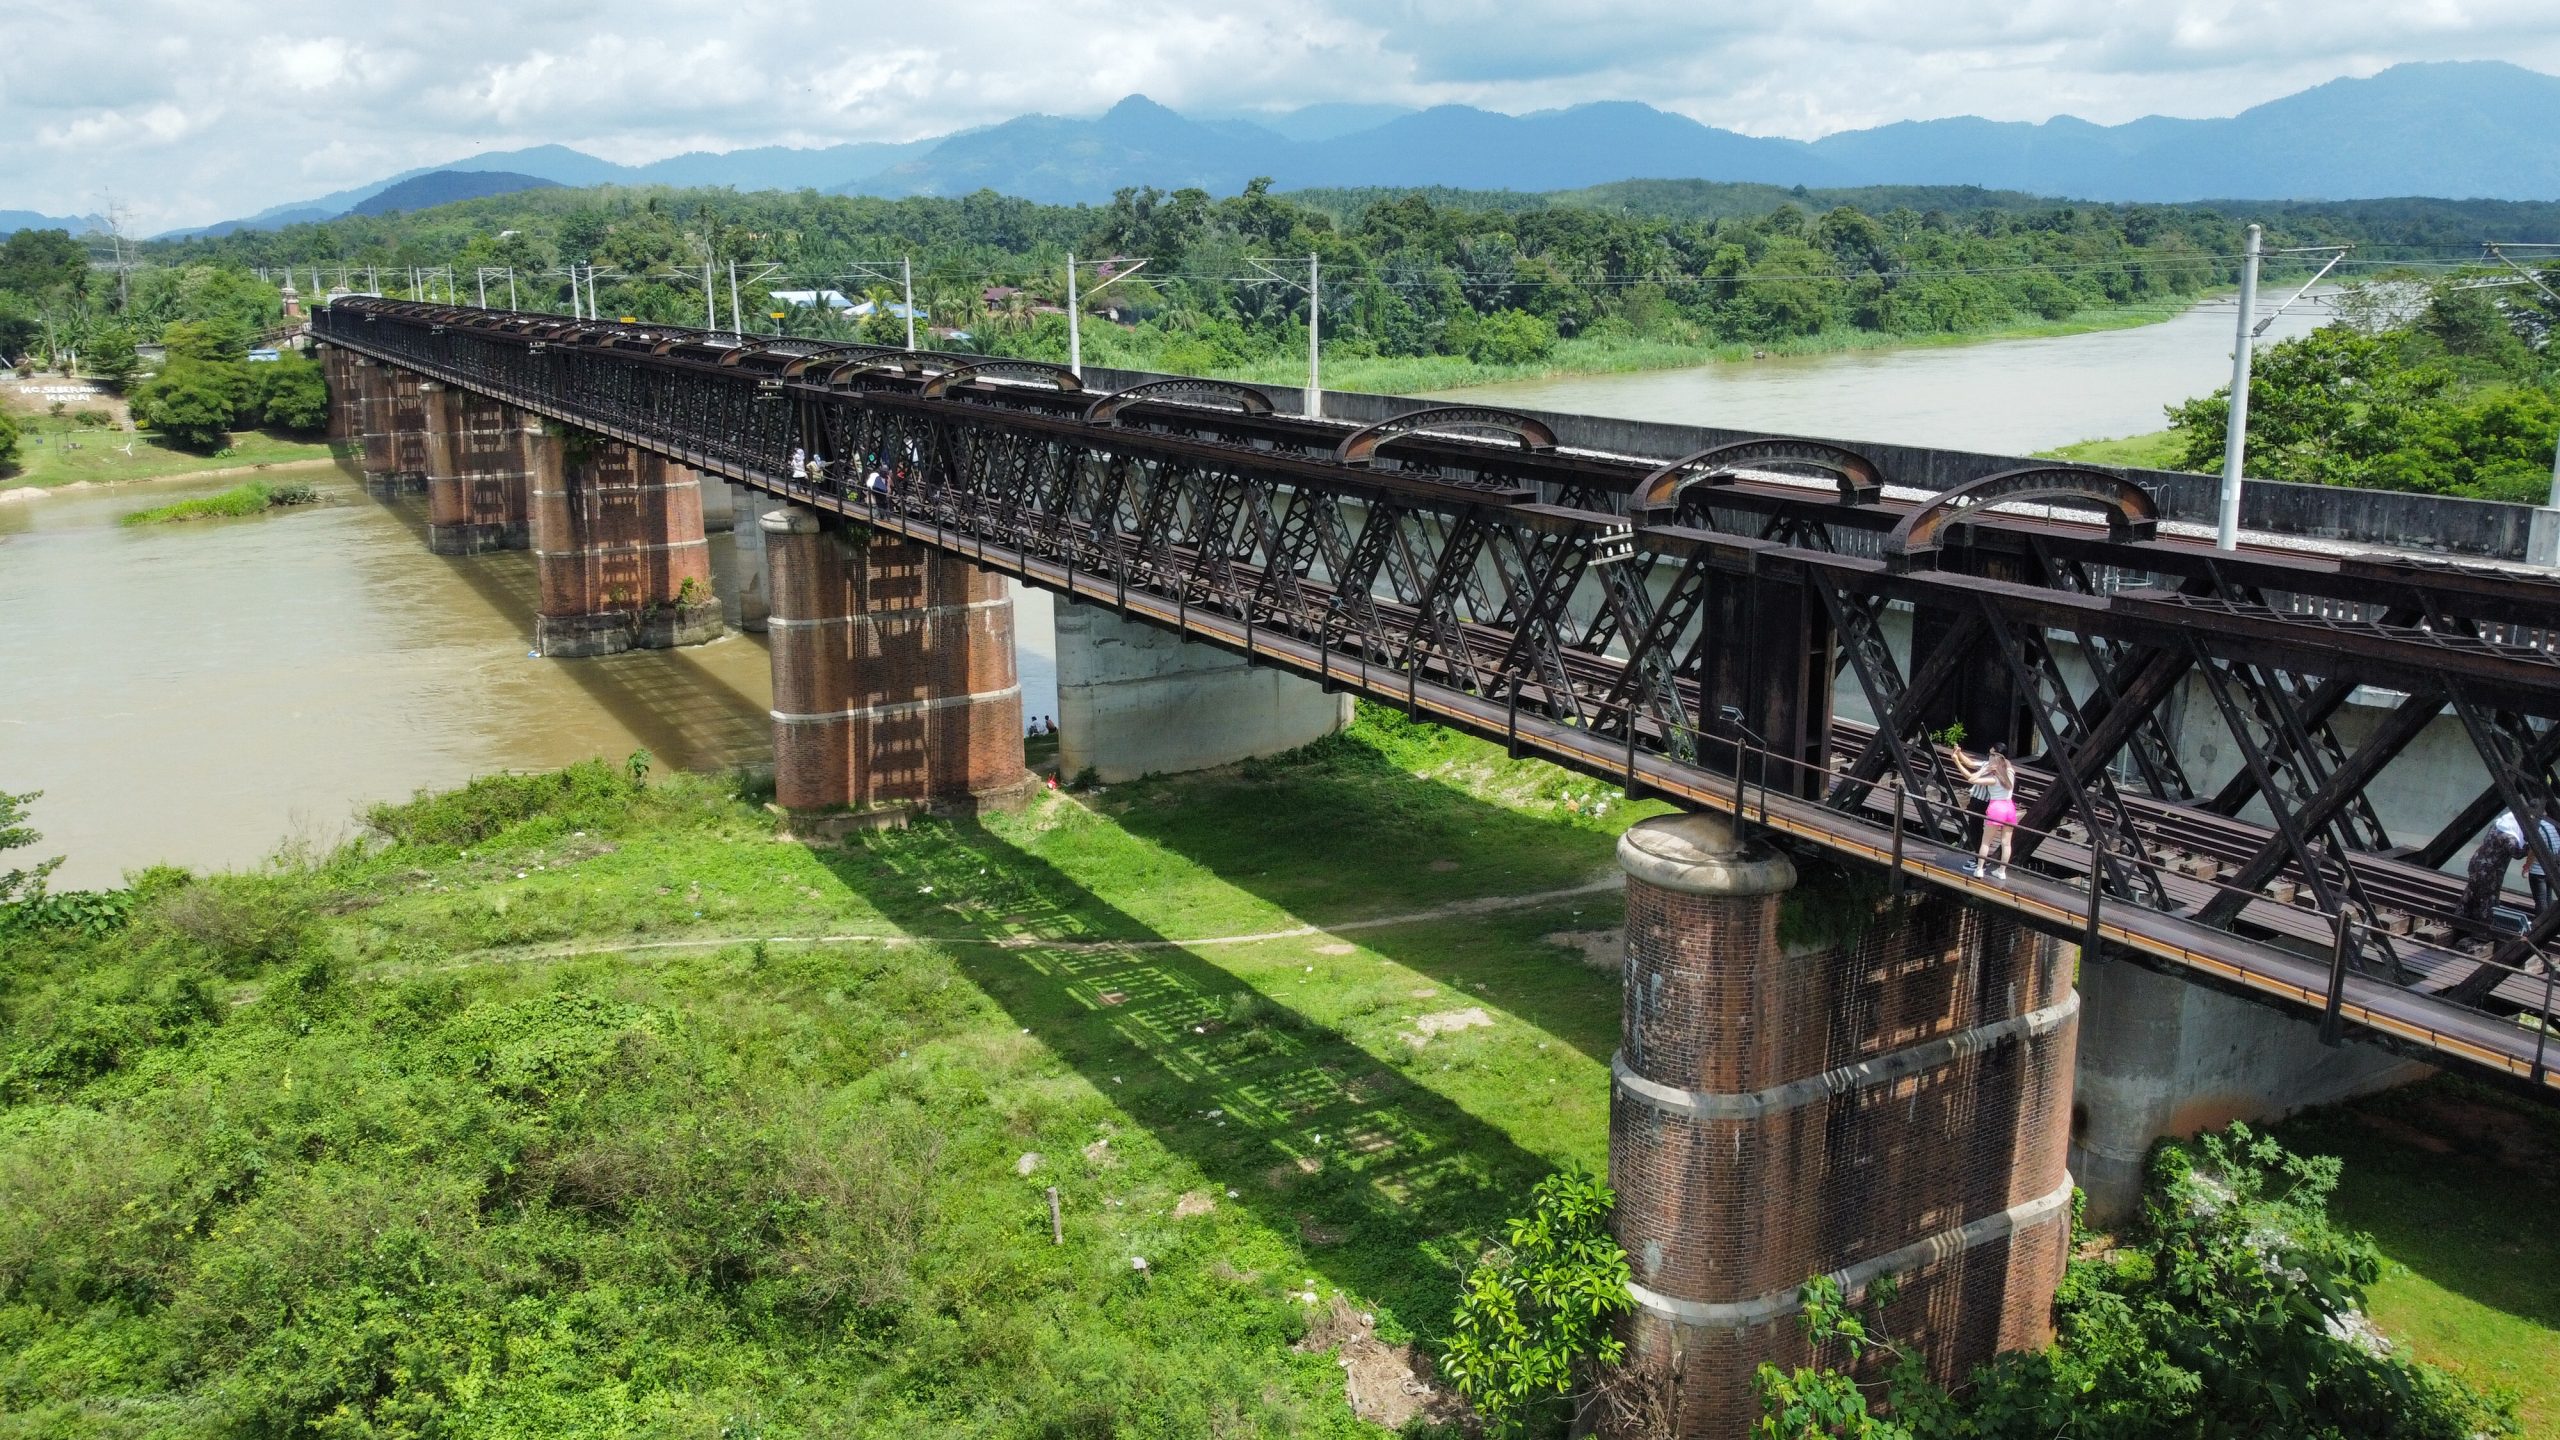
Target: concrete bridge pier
{"points": [[893, 676], [755, 575], [476, 448], [1136, 700], [618, 548], [2165, 1058], [1890, 1101]]}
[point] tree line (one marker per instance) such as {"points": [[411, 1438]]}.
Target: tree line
{"points": [[58, 310], [1404, 274]]}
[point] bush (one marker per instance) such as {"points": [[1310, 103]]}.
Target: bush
{"points": [[1511, 337], [292, 394], [2238, 1313], [194, 402], [111, 355], [588, 795], [8, 440], [1535, 1317]]}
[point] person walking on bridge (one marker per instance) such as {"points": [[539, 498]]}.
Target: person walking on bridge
{"points": [[1997, 780]]}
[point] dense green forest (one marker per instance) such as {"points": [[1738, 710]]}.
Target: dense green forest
{"points": [[1421, 289], [1404, 275]]}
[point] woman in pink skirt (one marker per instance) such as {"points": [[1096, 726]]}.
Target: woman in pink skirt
{"points": [[1997, 781]]}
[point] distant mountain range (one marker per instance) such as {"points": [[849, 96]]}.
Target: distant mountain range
{"points": [[2459, 130], [13, 221]]}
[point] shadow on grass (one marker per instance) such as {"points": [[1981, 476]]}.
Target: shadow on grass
{"points": [[1340, 832], [2454, 1180], [1390, 1187]]}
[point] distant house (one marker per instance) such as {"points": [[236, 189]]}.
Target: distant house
{"points": [[995, 295], [831, 299], [262, 356], [895, 311]]}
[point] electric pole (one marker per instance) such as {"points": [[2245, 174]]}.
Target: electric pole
{"points": [[1075, 340], [1075, 337], [2235, 438], [907, 272], [1315, 373]]}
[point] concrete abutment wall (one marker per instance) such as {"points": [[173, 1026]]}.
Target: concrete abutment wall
{"points": [[2165, 1058], [1136, 700]]}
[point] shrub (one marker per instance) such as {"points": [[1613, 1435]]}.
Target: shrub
{"points": [[589, 795], [2239, 1313], [1511, 337], [1533, 1320], [195, 402]]}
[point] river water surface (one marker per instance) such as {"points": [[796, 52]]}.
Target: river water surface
{"points": [[2008, 397], [201, 693]]}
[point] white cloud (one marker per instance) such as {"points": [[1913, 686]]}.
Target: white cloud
{"points": [[195, 110]]}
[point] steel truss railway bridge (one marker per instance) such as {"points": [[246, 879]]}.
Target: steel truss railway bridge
{"points": [[1677, 625]]}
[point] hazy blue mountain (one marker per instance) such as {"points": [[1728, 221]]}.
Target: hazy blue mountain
{"points": [[13, 221], [2461, 130], [1062, 160], [2465, 130], [1549, 150], [1329, 121], [770, 167], [444, 187], [777, 167]]}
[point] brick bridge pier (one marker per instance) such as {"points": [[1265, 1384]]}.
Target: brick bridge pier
{"points": [[1890, 1101]]}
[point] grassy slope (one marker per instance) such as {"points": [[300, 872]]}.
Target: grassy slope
{"points": [[2154, 451], [100, 457], [2458, 1182], [773, 1187]]}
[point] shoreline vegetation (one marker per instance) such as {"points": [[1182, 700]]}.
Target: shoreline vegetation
{"points": [[56, 453], [254, 497], [1424, 375]]}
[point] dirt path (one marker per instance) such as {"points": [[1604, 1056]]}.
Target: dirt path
{"points": [[1456, 909]]}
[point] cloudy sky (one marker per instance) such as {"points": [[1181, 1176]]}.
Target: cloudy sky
{"points": [[189, 111]]}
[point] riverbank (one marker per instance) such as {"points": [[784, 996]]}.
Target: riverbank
{"points": [[58, 454], [1425, 374], [800, 1189], [699, 1129], [2157, 450]]}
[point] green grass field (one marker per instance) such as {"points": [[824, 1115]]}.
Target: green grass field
{"points": [[350, 1144], [572, 1108], [58, 452], [2458, 1184]]}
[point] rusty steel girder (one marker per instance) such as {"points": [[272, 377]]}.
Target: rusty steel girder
{"points": [[1677, 626]]}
